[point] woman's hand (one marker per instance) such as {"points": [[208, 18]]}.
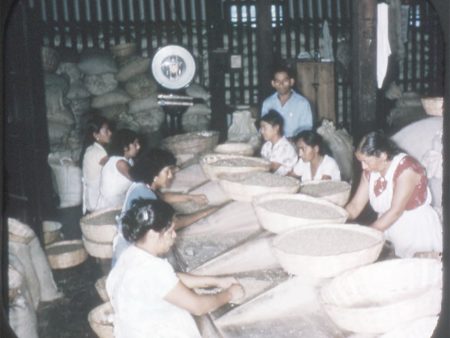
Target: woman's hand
{"points": [[225, 282], [237, 293], [199, 199]]}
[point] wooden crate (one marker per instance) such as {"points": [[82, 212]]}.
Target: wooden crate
{"points": [[315, 81]]}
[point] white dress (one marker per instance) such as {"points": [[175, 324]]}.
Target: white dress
{"points": [[113, 185], [282, 152], [418, 229], [91, 175], [137, 286], [327, 167]]}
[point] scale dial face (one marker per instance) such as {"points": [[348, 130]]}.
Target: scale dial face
{"points": [[173, 67]]}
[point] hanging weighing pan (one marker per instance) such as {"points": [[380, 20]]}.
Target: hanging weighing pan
{"points": [[173, 67]]}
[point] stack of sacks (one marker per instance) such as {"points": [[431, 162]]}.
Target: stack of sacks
{"points": [[198, 116], [59, 115], [28, 258], [78, 97], [99, 69], [341, 146], [242, 129], [143, 112]]}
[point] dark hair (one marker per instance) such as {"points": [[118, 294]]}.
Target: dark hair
{"points": [[145, 215], [148, 164], [375, 143], [274, 118], [282, 68], [312, 139], [93, 126], [121, 139]]}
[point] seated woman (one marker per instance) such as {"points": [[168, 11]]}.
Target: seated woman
{"points": [[92, 159], [152, 171], [395, 184], [277, 149], [149, 299], [115, 177], [314, 164]]}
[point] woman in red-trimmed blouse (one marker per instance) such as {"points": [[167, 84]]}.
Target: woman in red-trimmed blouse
{"points": [[395, 184]]}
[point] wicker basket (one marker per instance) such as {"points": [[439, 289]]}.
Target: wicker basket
{"points": [[52, 231], [101, 320], [235, 148], [19, 232], [100, 286], [235, 188], [337, 192], [98, 250], [321, 253], [433, 105], [66, 254], [278, 222], [213, 171], [100, 226], [381, 297], [191, 143]]}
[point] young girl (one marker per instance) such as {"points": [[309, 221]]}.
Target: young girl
{"points": [[115, 178], [93, 158], [277, 149], [153, 171], [149, 299], [314, 164]]}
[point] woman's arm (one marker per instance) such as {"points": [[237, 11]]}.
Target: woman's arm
{"points": [[196, 281], [103, 160], [403, 190], [184, 297], [182, 221], [274, 166], [124, 168], [171, 197], [360, 199]]}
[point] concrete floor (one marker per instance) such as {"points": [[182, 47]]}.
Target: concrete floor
{"points": [[67, 317]]}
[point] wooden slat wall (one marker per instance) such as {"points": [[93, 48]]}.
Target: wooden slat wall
{"points": [[80, 24], [423, 69], [296, 25]]}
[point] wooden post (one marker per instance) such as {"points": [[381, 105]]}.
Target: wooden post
{"points": [[363, 66], [443, 326], [265, 48]]}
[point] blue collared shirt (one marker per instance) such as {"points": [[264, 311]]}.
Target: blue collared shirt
{"points": [[296, 112]]}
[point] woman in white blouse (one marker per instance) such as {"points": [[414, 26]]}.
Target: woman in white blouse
{"points": [[277, 149], [93, 158], [115, 178], [314, 164], [149, 298]]}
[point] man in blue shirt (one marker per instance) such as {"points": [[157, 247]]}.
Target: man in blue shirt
{"points": [[294, 108]]}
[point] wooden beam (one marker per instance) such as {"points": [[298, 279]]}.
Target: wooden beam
{"points": [[218, 65], [363, 66], [265, 47]]}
